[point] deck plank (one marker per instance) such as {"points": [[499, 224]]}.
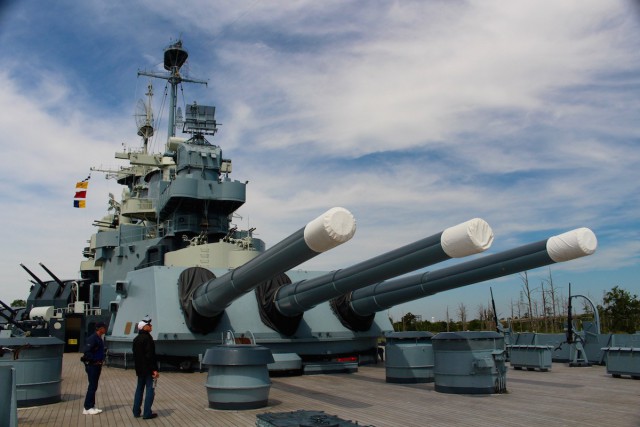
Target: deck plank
{"points": [[561, 397]]}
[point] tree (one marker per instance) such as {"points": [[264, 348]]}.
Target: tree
{"points": [[409, 322], [462, 313], [621, 310], [18, 303], [448, 319], [527, 291], [554, 300]]}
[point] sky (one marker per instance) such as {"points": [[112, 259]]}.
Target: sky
{"points": [[414, 115]]}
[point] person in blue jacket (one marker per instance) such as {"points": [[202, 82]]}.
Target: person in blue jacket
{"points": [[93, 359]]}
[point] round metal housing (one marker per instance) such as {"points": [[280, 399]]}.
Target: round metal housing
{"points": [[38, 365], [409, 357], [238, 377], [469, 362]]}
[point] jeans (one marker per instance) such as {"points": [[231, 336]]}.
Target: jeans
{"points": [[145, 381], [93, 373]]}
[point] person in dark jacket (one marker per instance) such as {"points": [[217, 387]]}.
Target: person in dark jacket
{"points": [[93, 359], [144, 357]]}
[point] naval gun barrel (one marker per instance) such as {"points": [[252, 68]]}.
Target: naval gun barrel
{"points": [[464, 239], [42, 284], [61, 284], [564, 247], [11, 314], [329, 230]]}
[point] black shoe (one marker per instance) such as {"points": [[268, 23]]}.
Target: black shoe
{"points": [[154, 415]]}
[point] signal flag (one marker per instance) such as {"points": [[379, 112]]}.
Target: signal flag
{"points": [[79, 199]]}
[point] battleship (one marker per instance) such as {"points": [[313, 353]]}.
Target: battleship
{"points": [[169, 249]]}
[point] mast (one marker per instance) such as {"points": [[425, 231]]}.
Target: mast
{"points": [[174, 58]]}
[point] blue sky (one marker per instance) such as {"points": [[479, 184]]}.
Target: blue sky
{"points": [[415, 116]]}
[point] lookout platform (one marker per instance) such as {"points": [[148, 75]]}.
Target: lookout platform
{"points": [[564, 396]]}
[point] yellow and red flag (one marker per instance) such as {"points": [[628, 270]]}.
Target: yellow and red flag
{"points": [[81, 193]]}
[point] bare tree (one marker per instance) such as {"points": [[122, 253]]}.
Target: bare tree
{"points": [[485, 316], [554, 301], [545, 308], [518, 305], [447, 318], [586, 307], [462, 314], [527, 292]]}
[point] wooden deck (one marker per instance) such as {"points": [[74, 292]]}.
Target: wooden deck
{"points": [[561, 397]]}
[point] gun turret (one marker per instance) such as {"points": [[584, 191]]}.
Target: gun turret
{"points": [[292, 300], [359, 307], [34, 323], [205, 302]]}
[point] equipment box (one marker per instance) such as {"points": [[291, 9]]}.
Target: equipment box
{"points": [[530, 357], [623, 361]]}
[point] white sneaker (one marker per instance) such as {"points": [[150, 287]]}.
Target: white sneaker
{"points": [[99, 410], [92, 411]]}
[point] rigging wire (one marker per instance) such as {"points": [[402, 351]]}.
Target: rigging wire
{"points": [[160, 113], [232, 23], [184, 102]]}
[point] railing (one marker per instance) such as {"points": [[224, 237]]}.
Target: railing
{"points": [[71, 309]]}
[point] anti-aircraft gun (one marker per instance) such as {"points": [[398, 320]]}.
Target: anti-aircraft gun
{"points": [[55, 293], [16, 322], [62, 308]]}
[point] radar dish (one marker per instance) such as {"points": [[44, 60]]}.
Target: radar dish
{"points": [[144, 120]]}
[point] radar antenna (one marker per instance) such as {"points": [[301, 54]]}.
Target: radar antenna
{"points": [[144, 117]]}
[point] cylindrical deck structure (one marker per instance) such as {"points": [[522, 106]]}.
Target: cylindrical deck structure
{"points": [[238, 377], [8, 403], [469, 362], [409, 357], [38, 368]]}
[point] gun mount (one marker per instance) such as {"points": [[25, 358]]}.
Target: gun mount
{"points": [[20, 324]]}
